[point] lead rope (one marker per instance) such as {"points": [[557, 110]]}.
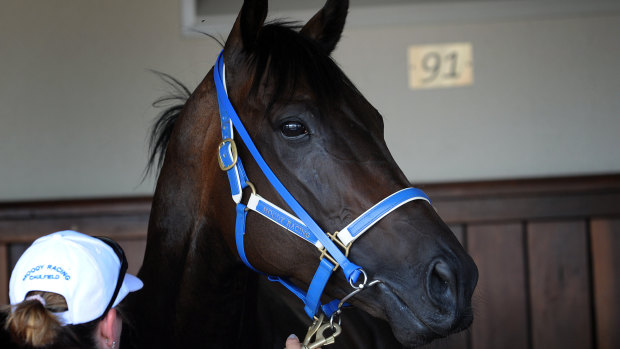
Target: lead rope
{"points": [[320, 325]]}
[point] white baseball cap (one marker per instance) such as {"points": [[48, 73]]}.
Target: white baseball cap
{"points": [[85, 270]]}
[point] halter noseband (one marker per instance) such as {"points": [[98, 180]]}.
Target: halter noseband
{"points": [[302, 225]]}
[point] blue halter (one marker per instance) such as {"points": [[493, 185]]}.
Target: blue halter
{"points": [[300, 224]]}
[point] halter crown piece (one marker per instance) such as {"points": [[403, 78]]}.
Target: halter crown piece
{"points": [[302, 225]]}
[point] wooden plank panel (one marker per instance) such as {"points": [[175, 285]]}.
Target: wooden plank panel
{"points": [[545, 198], [75, 208], [15, 251], [459, 232], [112, 226], [4, 276], [134, 251], [559, 285], [519, 187], [500, 316], [527, 207], [605, 235]]}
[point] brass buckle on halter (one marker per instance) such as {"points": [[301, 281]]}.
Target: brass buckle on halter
{"points": [[325, 254], [233, 152]]}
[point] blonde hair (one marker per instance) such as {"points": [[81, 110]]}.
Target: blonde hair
{"points": [[31, 322]]}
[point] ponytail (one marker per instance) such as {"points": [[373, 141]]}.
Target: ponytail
{"points": [[32, 323]]}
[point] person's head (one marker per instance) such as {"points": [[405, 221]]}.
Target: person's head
{"points": [[64, 290]]}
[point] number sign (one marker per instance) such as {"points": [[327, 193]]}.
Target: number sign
{"points": [[445, 65]]}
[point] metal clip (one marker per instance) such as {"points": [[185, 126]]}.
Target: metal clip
{"points": [[318, 329], [313, 329], [320, 337]]}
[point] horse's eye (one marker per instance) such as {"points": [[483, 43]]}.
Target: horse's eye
{"points": [[293, 129]]}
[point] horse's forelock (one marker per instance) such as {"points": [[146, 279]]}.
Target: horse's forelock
{"points": [[287, 60]]}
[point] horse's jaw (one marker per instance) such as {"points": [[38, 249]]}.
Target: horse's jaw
{"points": [[410, 325], [407, 326]]}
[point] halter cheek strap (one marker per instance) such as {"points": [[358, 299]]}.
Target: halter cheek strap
{"points": [[300, 224]]}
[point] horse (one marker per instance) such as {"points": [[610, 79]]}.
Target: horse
{"points": [[324, 143]]}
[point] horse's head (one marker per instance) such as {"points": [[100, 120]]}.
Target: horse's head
{"points": [[325, 142]]}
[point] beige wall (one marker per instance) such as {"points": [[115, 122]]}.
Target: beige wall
{"points": [[545, 99], [75, 95]]}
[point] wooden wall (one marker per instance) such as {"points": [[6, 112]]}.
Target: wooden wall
{"points": [[546, 250], [547, 254]]}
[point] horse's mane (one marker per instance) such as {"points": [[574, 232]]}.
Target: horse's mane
{"points": [[164, 123], [282, 56]]}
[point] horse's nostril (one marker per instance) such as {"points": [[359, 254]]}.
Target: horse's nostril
{"points": [[441, 285]]}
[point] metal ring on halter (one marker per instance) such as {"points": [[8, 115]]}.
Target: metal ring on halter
{"points": [[361, 285], [347, 297], [331, 318], [253, 189], [356, 291]]}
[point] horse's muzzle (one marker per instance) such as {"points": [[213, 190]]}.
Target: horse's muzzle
{"points": [[441, 307]]}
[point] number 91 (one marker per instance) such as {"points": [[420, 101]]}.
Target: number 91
{"points": [[431, 64]]}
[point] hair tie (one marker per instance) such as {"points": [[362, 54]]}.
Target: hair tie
{"points": [[36, 297]]}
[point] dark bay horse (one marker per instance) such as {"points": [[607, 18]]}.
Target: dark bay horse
{"points": [[324, 142]]}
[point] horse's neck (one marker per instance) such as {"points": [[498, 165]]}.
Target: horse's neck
{"points": [[203, 300], [195, 289]]}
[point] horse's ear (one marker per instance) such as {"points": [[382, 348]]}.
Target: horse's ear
{"points": [[245, 30], [326, 25]]}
